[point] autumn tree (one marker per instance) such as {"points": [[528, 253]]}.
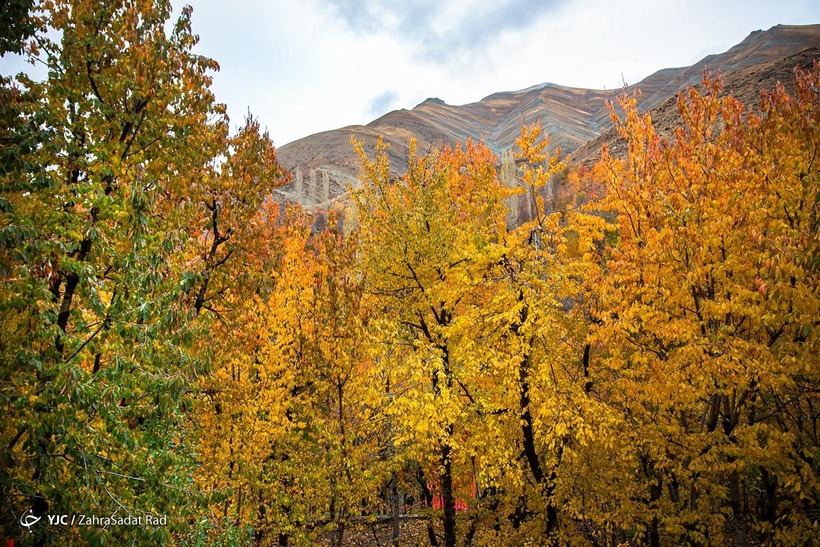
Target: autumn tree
{"points": [[237, 400], [288, 428], [236, 240], [428, 239], [101, 277], [536, 307], [708, 310]]}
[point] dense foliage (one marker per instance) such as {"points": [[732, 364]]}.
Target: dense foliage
{"points": [[118, 190], [637, 367]]}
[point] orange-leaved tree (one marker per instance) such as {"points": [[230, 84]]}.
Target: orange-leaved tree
{"points": [[563, 424], [290, 436], [428, 239], [708, 307]]}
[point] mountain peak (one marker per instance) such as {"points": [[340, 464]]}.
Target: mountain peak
{"points": [[573, 117]]}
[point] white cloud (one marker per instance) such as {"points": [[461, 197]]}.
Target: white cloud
{"points": [[314, 65]]}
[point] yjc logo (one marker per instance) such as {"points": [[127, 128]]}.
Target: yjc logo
{"points": [[28, 519]]}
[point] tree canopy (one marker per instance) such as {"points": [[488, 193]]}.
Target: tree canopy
{"points": [[636, 365]]}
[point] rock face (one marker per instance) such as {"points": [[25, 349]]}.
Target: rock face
{"points": [[745, 84], [576, 119]]}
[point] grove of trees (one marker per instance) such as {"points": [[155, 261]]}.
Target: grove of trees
{"points": [[635, 366]]}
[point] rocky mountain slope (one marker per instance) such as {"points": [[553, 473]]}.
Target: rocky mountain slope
{"points": [[576, 119], [745, 84]]}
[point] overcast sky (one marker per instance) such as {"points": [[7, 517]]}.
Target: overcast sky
{"points": [[304, 66]]}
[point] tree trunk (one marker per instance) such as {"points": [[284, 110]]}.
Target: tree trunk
{"points": [[531, 453], [738, 508], [768, 502], [655, 492], [428, 501], [394, 506], [448, 499]]}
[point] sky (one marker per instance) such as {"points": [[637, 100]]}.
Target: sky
{"points": [[305, 66]]}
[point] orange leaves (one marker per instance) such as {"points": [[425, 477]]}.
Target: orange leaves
{"points": [[633, 364], [699, 308], [532, 150]]}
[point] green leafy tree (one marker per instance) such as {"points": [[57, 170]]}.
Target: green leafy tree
{"points": [[100, 280], [16, 25]]}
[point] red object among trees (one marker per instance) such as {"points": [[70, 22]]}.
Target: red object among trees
{"points": [[461, 504]]}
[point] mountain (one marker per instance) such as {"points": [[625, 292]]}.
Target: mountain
{"points": [[577, 119], [745, 84]]}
